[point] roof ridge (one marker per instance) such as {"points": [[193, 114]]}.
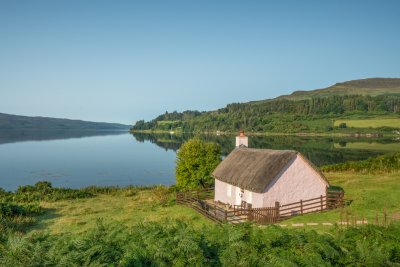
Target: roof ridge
{"points": [[263, 149]]}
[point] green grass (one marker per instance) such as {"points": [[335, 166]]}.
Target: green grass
{"points": [[369, 193], [81, 214], [370, 123]]}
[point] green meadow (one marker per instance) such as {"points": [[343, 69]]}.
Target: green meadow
{"points": [[370, 123], [368, 193], [79, 215]]}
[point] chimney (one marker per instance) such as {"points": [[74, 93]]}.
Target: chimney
{"points": [[242, 139]]}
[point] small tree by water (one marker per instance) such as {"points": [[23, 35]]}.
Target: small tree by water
{"points": [[195, 162]]}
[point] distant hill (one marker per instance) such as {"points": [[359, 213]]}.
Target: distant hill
{"points": [[16, 122], [371, 86], [302, 111]]}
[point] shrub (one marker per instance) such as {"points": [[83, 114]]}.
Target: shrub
{"points": [[195, 162]]}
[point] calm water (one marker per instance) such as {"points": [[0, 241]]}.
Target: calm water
{"points": [[78, 159]]}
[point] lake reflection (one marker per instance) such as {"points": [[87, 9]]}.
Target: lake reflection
{"points": [[116, 158], [320, 150], [97, 160]]}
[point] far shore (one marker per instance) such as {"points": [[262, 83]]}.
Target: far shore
{"points": [[305, 134]]}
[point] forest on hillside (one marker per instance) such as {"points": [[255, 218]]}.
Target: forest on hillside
{"points": [[278, 115]]}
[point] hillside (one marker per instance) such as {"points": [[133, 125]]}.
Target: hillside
{"points": [[303, 111], [371, 86], [15, 122]]}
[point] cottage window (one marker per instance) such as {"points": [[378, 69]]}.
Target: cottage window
{"points": [[229, 190], [241, 192]]}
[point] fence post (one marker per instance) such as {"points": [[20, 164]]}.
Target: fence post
{"points": [[322, 205], [341, 201], [341, 216], [277, 215], [355, 219], [384, 217], [326, 194], [249, 214], [301, 206], [226, 215]]}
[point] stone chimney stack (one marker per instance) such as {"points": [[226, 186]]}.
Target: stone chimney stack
{"points": [[242, 139]]}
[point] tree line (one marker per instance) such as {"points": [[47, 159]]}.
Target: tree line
{"points": [[275, 115]]}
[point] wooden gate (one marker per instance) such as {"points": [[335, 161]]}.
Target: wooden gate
{"points": [[265, 215]]}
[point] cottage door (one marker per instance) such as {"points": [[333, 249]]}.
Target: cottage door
{"points": [[239, 196]]}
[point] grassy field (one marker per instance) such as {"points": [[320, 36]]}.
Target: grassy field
{"points": [[370, 123], [81, 214], [367, 192]]}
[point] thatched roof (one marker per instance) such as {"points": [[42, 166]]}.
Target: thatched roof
{"points": [[253, 169]]}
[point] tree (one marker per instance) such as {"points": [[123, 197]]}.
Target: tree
{"points": [[195, 161]]}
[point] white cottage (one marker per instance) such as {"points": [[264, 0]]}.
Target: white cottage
{"points": [[261, 177]]}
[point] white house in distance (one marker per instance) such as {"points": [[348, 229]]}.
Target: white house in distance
{"points": [[261, 177]]}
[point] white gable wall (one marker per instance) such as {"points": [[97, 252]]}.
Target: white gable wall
{"points": [[233, 195], [221, 192], [298, 181]]}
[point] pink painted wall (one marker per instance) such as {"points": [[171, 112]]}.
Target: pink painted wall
{"points": [[298, 181]]}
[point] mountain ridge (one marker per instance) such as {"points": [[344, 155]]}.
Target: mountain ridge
{"points": [[368, 86], [14, 122]]}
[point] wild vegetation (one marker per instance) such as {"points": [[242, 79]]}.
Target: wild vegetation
{"points": [[16, 218], [20, 209], [301, 112], [382, 164], [178, 244]]}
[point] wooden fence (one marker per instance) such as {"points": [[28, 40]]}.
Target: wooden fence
{"points": [[265, 215], [332, 200], [197, 201]]}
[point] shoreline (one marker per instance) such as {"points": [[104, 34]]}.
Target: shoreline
{"points": [[301, 134]]}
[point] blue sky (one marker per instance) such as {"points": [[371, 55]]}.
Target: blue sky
{"points": [[121, 61]]}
